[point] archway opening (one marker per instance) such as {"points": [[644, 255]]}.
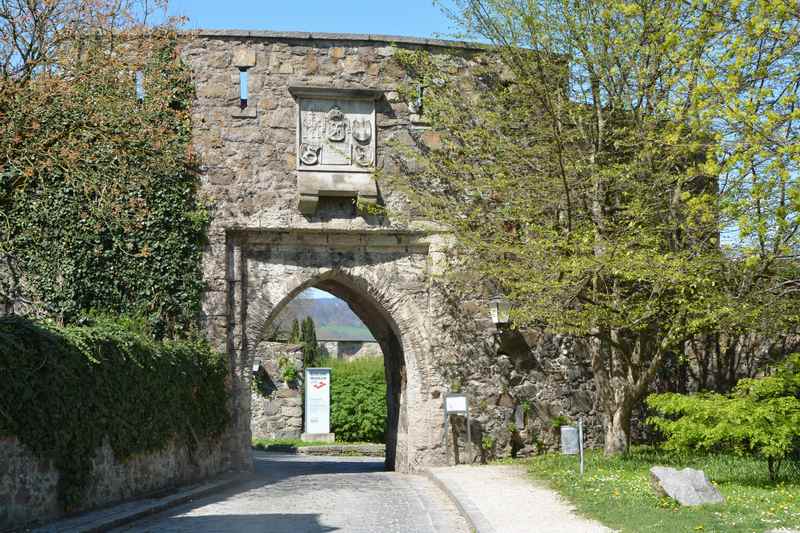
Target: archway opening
{"points": [[349, 324]]}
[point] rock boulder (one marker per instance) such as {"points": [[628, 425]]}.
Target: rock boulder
{"points": [[687, 486]]}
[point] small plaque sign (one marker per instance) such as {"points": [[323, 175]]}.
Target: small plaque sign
{"points": [[318, 400], [455, 403], [569, 440]]}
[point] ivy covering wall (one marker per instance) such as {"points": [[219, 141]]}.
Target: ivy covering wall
{"points": [[100, 215], [66, 389], [99, 204]]}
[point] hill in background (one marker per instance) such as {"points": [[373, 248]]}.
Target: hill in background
{"points": [[333, 318]]}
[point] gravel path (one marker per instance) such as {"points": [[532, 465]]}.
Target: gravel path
{"points": [[298, 494], [503, 499]]}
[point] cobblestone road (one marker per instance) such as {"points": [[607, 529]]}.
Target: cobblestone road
{"points": [[299, 494]]}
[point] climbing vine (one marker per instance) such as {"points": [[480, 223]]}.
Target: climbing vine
{"points": [[68, 390], [99, 189]]}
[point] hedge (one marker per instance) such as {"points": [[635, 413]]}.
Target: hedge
{"points": [[66, 389], [358, 399]]}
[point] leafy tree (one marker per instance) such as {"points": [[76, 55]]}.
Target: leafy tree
{"points": [[591, 160], [761, 417]]}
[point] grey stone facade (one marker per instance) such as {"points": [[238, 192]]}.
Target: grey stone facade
{"points": [[277, 404], [28, 486], [267, 242], [349, 350]]}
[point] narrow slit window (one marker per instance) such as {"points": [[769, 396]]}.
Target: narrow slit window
{"points": [[242, 88], [140, 85]]}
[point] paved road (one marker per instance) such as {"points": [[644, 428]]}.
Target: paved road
{"points": [[299, 494]]}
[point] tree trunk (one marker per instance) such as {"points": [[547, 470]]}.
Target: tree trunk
{"points": [[618, 431]]}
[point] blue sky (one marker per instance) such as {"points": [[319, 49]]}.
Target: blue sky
{"points": [[416, 18], [315, 294]]}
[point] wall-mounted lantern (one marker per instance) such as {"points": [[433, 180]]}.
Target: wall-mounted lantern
{"points": [[500, 309]]}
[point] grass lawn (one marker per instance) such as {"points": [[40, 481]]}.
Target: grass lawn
{"points": [[263, 444], [616, 491]]}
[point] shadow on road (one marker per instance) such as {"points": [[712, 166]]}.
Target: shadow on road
{"points": [[248, 523], [274, 467]]}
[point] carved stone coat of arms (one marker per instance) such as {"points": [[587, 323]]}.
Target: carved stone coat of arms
{"points": [[336, 135]]}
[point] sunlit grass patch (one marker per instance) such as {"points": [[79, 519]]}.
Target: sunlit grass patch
{"points": [[617, 491]]}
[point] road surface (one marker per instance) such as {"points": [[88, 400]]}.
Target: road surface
{"points": [[299, 494]]}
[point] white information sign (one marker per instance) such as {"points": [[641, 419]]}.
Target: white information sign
{"points": [[456, 404], [318, 400]]}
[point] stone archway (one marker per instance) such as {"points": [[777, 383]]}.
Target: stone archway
{"points": [[385, 330], [385, 280]]}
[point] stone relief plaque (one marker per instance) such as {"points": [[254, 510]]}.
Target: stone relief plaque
{"points": [[336, 134], [336, 144]]}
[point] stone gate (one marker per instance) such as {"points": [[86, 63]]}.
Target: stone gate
{"points": [[291, 129]]}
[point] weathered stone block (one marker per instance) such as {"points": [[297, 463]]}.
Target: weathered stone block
{"points": [[244, 58], [687, 486]]}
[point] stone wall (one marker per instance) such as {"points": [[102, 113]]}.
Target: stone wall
{"points": [[279, 228], [349, 350], [28, 485], [277, 406]]}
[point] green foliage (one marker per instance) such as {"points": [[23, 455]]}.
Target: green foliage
{"points": [[99, 193], [367, 209], [617, 491], [487, 442], [294, 336], [589, 164], [358, 399], [288, 369], [308, 336], [261, 384], [558, 421], [66, 390], [761, 417]]}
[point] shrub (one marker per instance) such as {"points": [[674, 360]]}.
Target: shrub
{"points": [[65, 390], [761, 417], [358, 399]]}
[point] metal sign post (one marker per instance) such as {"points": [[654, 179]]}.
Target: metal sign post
{"points": [[580, 441], [456, 404], [572, 441]]}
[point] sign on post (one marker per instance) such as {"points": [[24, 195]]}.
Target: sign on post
{"points": [[569, 440], [456, 404], [572, 441], [318, 400]]}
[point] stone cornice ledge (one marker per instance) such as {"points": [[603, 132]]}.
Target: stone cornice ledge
{"points": [[374, 238], [331, 92], [321, 36]]}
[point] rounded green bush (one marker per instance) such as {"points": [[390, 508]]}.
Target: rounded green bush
{"points": [[358, 400]]}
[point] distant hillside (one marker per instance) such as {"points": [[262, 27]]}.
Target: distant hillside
{"points": [[333, 319]]}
